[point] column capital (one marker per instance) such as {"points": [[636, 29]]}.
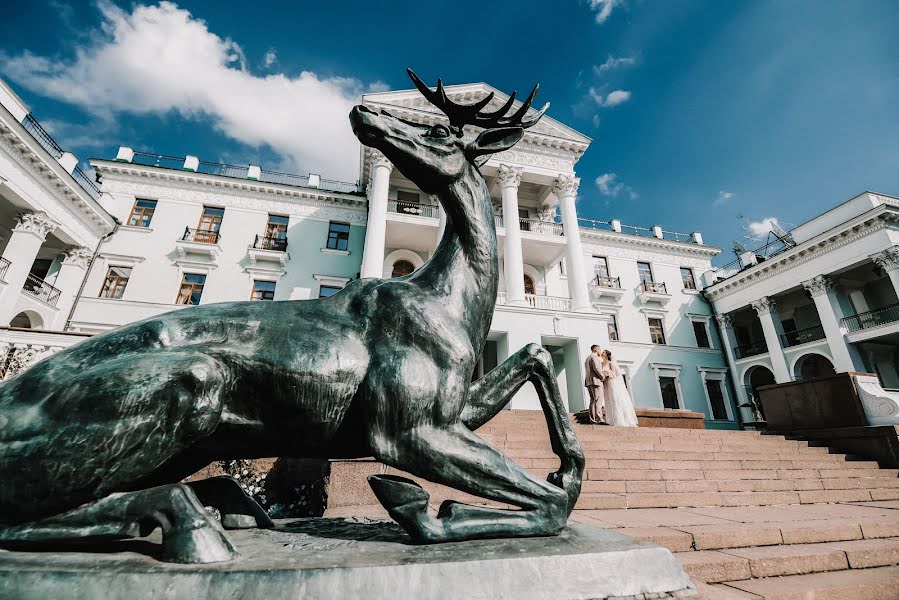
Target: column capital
{"points": [[888, 259], [509, 176], [78, 257], [566, 186], [764, 306], [724, 321], [818, 286], [39, 223], [379, 160]]}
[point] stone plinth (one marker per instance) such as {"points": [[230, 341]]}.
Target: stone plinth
{"points": [[340, 558]]}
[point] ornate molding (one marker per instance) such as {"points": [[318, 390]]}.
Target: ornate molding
{"points": [[764, 306], [379, 160], [78, 257], [547, 214], [645, 249], [724, 321], [509, 176], [818, 286], [566, 186], [888, 259], [39, 223]]}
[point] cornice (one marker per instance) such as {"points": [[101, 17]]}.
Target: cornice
{"points": [[805, 252], [624, 240]]}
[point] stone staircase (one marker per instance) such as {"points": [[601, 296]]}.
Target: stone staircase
{"points": [[749, 516]]}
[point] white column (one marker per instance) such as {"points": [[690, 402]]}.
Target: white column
{"points": [[771, 326], [376, 229], [888, 260], [509, 179], [566, 190], [726, 327], [845, 356], [24, 244], [68, 282], [441, 218]]}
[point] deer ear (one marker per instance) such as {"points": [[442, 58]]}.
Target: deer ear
{"points": [[492, 141]]}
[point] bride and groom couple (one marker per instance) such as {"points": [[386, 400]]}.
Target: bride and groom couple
{"points": [[607, 391]]}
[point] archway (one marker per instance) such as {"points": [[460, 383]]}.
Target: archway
{"points": [[27, 320], [529, 287], [402, 268], [754, 378], [401, 255], [812, 366]]}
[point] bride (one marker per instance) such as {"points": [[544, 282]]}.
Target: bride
{"points": [[619, 407]]}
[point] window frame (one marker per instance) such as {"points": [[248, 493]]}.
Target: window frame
{"points": [[276, 229], [145, 212], [648, 269], [604, 264], [111, 284], [704, 323], [211, 222], [193, 287], [689, 271], [612, 323], [255, 296], [338, 236], [672, 371], [718, 374], [661, 327], [321, 287]]}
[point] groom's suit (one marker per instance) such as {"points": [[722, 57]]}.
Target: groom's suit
{"points": [[593, 380]]}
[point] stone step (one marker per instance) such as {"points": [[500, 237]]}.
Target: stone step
{"points": [[739, 485], [804, 454], [634, 474], [605, 500], [856, 584]]}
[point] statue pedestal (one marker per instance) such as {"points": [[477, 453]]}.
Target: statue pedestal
{"points": [[353, 558]]}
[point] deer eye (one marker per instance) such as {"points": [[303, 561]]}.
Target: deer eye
{"points": [[439, 131]]}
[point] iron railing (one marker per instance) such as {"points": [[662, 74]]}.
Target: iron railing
{"points": [[344, 187], [430, 211], [41, 136], [541, 227], [158, 160], [330, 185], [263, 242], [604, 281], [89, 186], [872, 318], [675, 236], [223, 170], [200, 236], [4, 267], [655, 287], [41, 290], [750, 349], [802, 336]]}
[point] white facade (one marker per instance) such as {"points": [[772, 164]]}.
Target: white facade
{"points": [[823, 301]]}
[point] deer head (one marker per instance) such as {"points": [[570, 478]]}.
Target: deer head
{"points": [[433, 156]]}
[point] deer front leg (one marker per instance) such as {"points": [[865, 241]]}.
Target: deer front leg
{"points": [[492, 392]]}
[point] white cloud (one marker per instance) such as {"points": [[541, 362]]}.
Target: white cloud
{"points": [[612, 99], [270, 58], [160, 59], [613, 63], [609, 185], [603, 9], [759, 229], [723, 198], [596, 120]]}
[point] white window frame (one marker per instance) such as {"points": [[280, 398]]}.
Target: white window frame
{"points": [[716, 374], [704, 319], [328, 280], [668, 370]]}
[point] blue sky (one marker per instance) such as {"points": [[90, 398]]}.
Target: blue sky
{"points": [[699, 111]]}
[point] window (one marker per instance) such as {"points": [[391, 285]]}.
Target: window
{"points": [[115, 282], [263, 290], [600, 266], [668, 385], [686, 275], [326, 291], [716, 398], [276, 228], [338, 236], [408, 202], [402, 268], [656, 331], [644, 270], [613, 328], [523, 219], [529, 287], [191, 288], [209, 225], [702, 334], [142, 213]]}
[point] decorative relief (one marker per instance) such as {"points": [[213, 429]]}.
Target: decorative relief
{"points": [[78, 257], [533, 160], [566, 186], [764, 306], [888, 259], [818, 286], [724, 321], [547, 214], [509, 176], [38, 223], [379, 160]]}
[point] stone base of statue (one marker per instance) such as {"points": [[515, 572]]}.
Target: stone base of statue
{"points": [[356, 558]]}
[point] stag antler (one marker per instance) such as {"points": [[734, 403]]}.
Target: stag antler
{"points": [[461, 115]]}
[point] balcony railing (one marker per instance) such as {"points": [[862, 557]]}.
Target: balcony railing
{"points": [[4, 267], [604, 281], [41, 290], [802, 336], [544, 302], [872, 318], [498, 220], [655, 287], [158, 160], [541, 227], [200, 236], [750, 349], [263, 242], [430, 211]]}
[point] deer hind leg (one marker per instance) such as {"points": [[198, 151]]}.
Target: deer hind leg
{"points": [[238, 509], [189, 533], [492, 392], [458, 458]]}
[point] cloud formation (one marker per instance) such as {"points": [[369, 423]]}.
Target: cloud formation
{"points": [[609, 185], [759, 229], [160, 59], [611, 99], [612, 63], [270, 58], [604, 8], [723, 198]]}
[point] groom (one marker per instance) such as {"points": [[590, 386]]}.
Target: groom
{"points": [[593, 380]]}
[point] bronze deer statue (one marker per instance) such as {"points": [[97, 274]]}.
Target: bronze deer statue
{"points": [[94, 439]]}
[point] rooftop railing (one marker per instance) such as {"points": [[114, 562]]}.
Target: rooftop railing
{"points": [[4, 267], [223, 170], [43, 138], [802, 336], [675, 236], [158, 160], [89, 186], [41, 290], [872, 318]]}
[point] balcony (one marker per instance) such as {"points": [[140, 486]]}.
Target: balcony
{"points": [[554, 303], [277, 244], [802, 336], [429, 211], [200, 236], [752, 349], [872, 318], [198, 242], [4, 267], [653, 291], [604, 285], [40, 289], [541, 227], [268, 254]]}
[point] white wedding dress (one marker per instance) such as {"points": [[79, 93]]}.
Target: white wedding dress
{"points": [[619, 407]]}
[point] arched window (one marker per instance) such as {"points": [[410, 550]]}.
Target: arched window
{"points": [[401, 268], [529, 285], [21, 321], [812, 366]]}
